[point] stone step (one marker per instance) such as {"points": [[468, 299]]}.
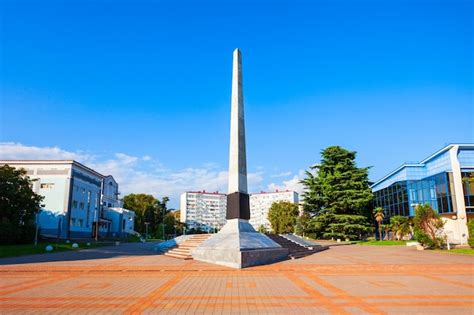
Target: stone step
{"points": [[180, 250], [183, 251], [179, 256], [295, 250]]}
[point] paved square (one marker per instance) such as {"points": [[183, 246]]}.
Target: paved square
{"points": [[130, 279]]}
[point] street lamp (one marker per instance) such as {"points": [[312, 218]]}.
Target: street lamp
{"points": [[37, 226], [146, 230]]}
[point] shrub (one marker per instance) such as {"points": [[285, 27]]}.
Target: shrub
{"points": [[10, 234], [470, 227], [428, 227]]}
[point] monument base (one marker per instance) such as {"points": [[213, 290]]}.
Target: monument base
{"points": [[238, 245]]}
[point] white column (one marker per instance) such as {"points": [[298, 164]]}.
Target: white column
{"points": [[237, 153], [458, 195]]}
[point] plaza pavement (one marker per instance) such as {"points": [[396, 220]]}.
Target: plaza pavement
{"points": [[131, 279]]}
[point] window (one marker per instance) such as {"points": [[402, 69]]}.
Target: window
{"points": [[123, 224], [74, 204], [81, 205], [47, 185], [79, 222]]}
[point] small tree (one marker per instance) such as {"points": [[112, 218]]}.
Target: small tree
{"points": [[261, 228], [282, 216], [379, 216], [400, 226], [18, 206], [428, 226]]}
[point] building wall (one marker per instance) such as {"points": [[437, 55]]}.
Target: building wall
{"points": [[122, 221], [85, 203], [203, 210], [73, 196], [260, 204], [440, 181]]}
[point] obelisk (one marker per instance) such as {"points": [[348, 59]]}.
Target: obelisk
{"points": [[237, 244], [238, 206]]}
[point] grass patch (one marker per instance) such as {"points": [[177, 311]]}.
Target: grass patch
{"points": [[465, 251], [383, 243], [30, 249]]}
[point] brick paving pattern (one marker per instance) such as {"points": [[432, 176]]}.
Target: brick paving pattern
{"points": [[130, 279]]}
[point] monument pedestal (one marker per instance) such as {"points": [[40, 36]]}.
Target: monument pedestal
{"points": [[238, 245]]}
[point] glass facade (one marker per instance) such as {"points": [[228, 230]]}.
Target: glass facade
{"points": [[434, 190], [468, 189], [402, 197], [393, 199]]}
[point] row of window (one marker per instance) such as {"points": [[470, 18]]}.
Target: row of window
{"points": [[393, 199], [401, 197], [76, 222]]}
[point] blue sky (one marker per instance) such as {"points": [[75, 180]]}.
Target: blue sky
{"points": [[141, 89]]}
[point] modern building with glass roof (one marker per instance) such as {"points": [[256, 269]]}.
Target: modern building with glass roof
{"points": [[444, 180]]}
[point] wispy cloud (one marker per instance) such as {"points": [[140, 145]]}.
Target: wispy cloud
{"points": [[138, 174], [283, 174]]}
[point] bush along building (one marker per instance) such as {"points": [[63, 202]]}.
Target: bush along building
{"points": [[444, 180], [78, 201]]}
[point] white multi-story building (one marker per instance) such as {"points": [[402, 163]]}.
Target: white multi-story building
{"points": [[261, 202], [75, 198], [203, 210]]}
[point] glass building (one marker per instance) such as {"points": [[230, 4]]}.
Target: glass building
{"points": [[444, 180]]}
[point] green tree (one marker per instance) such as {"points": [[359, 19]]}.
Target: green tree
{"points": [[379, 216], [302, 223], [147, 209], [18, 206], [261, 228], [282, 216], [428, 226], [348, 226], [400, 226], [337, 185]]}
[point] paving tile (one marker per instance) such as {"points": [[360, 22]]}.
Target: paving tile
{"points": [[342, 280]]}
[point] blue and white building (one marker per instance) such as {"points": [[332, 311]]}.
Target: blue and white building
{"points": [[78, 201], [445, 180]]}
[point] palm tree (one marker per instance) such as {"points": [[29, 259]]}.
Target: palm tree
{"points": [[400, 226], [378, 215]]}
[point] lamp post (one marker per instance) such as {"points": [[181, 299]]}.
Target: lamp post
{"points": [[146, 230], [37, 226], [96, 224], [163, 225]]}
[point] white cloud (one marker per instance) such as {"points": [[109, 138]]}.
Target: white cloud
{"points": [[12, 151], [135, 174], [291, 184], [146, 175]]}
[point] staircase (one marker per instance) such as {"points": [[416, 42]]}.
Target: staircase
{"points": [[296, 250], [183, 250]]}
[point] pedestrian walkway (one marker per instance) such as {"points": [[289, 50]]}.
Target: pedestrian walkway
{"points": [[350, 279]]}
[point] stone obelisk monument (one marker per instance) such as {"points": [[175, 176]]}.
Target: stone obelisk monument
{"points": [[238, 245], [238, 206]]}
